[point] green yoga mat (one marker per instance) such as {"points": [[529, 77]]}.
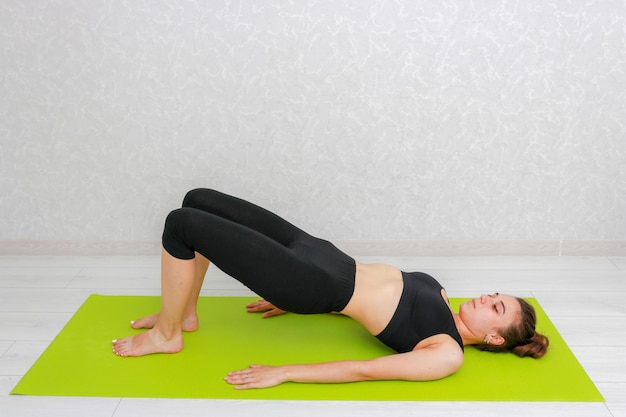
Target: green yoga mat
{"points": [[79, 361]]}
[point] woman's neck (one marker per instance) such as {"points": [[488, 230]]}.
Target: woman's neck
{"points": [[468, 337]]}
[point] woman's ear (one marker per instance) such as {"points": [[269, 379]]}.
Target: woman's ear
{"points": [[496, 340]]}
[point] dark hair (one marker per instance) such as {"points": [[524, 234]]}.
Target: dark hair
{"points": [[521, 337]]}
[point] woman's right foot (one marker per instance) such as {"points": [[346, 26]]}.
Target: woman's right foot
{"points": [[189, 324]]}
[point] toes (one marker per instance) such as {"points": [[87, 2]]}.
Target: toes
{"points": [[120, 347], [144, 322]]}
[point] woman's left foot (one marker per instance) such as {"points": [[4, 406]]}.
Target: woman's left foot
{"points": [[146, 343]]}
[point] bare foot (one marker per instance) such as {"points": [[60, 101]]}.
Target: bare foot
{"points": [[146, 343], [189, 324]]}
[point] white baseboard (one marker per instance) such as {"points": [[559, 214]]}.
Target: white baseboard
{"points": [[354, 248]]}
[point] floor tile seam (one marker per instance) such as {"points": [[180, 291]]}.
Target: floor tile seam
{"points": [[109, 266], [9, 348], [606, 405], [37, 340], [578, 317], [99, 289], [40, 266], [578, 346], [585, 290], [470, 273], [603, 381], [613, 261], [41, 311], [43, 265], [37, 312], [588, 316], [64, 287], [582, 290], [509, 269], [564, 292], [525, 268], [12, 376], [74, 278], [117, 406], [597, 347], [26, 287]]}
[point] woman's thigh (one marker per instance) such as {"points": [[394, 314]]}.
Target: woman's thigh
{"points": [[305, 277]]}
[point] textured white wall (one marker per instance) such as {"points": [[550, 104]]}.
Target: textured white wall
{"points": [[363, 119]]}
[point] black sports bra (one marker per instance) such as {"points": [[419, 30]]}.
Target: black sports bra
{"points": [[422, 312]]}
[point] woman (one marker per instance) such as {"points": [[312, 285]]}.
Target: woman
{"points": [[299, 273]]}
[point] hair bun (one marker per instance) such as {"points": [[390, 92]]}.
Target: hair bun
{"points": [[536, 347]]}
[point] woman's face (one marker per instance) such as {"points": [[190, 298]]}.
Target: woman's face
{"points": [[485, 315]]}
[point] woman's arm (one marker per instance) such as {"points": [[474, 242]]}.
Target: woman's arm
{"points": [[435, 361]]}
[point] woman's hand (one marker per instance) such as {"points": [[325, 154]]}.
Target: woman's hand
{"points": [[266, 307], [256, 376]]}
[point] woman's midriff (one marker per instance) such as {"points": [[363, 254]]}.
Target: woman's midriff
{"points": [[377, 291]]}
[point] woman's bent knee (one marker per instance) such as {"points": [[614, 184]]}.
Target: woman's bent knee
{"points": [[173, 239], [198, 197]]}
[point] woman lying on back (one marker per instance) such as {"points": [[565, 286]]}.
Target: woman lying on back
{"points": [[299, 273]]}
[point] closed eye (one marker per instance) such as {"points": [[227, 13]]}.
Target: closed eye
{"points": [[495, 306]]}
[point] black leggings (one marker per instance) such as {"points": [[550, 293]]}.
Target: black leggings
{"points": [[281, 263]]}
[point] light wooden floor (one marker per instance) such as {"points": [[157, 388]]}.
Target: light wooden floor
{"points": [[584, 296]]}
